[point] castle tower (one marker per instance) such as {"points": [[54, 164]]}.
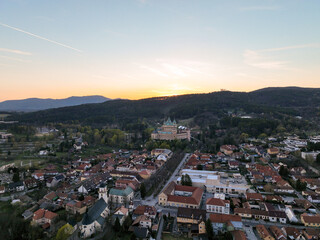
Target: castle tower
{"points": [[103, 192]]}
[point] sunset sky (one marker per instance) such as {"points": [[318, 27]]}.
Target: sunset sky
{"points": [[143, 48]]}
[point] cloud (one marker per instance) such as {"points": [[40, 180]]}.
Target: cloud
{"points": [[260, 60], [40, 37], [259, 8], [14, 59], [311, 45], [255, 59], [14, 51], [153, 70]]}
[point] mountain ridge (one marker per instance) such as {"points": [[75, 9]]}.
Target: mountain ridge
{"points": [[289, 101], [38, 104]]}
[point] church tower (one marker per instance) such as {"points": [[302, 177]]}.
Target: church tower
{"points": [[103, 192]]}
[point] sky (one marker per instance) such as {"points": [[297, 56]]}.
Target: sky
{"points": [[144, 48]]}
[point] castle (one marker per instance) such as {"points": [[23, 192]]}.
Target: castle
{"points": [[170, 131]]}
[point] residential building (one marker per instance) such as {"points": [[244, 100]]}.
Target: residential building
{"points": [[264, 233], [310, 221], [191, 221], [43, 217], [216, 205], [180, 196], [225, 222]]}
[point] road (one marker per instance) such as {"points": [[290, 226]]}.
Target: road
{"points": [[175, 173], [152, 201], [160, 229]]}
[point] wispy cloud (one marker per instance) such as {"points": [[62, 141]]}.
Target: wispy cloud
{"points": [[258, 58], [311, 45], [255, 59], [14, 51], [14, 59], [154, 70], [40, 37], [259, 8], [179, 68]]}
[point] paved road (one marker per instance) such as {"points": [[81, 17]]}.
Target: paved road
{"points": [[160, 229], [173, 176]]}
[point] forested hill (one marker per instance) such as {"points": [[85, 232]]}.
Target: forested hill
{"points": [[36, 104], [290, 100]]}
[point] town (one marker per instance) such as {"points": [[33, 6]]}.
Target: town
{"points": [[262, 188]]}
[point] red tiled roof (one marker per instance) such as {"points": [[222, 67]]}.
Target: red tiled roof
{"points": [[216, 202], [42, 213], [224, 218]]}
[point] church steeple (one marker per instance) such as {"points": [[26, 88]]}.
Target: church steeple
{"points": [[103, 192]]}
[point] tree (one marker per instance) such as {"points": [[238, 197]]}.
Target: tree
{"points": [[199, 167], [143, 190], [318, 158], [301, 186], [16, 177], [284, 172], [64, 232], [186, 180], [127, 223], [117, 225], [228, 236], [209, 229]]}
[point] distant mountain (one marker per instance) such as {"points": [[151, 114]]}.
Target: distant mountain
{"points": [[292, 101], [36, 104]]}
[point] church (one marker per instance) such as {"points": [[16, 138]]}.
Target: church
{"points": [[170, 131], [94, 219]]}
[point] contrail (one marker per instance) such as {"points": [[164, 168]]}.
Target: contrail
{"points": [[37, 36]]}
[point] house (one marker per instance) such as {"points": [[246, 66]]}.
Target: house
{"points": [[264, 233], [293, 233], [216, 205], [31, 183], [310, 221], [275, 216], [254, 197], [121, 213], [52, 182], [273, 151], [87, 186], [160, 151], [51, 196], [239, 235], [233, 165], [128, 181], [311, 234], [120, 195], [277, 233], [149, 211], [75, 207], [93, 220], [222, 222], [145, 174], [191, 221], [16, 186], [180, 196], [228, 149], [43, 217], [142, 221]]}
